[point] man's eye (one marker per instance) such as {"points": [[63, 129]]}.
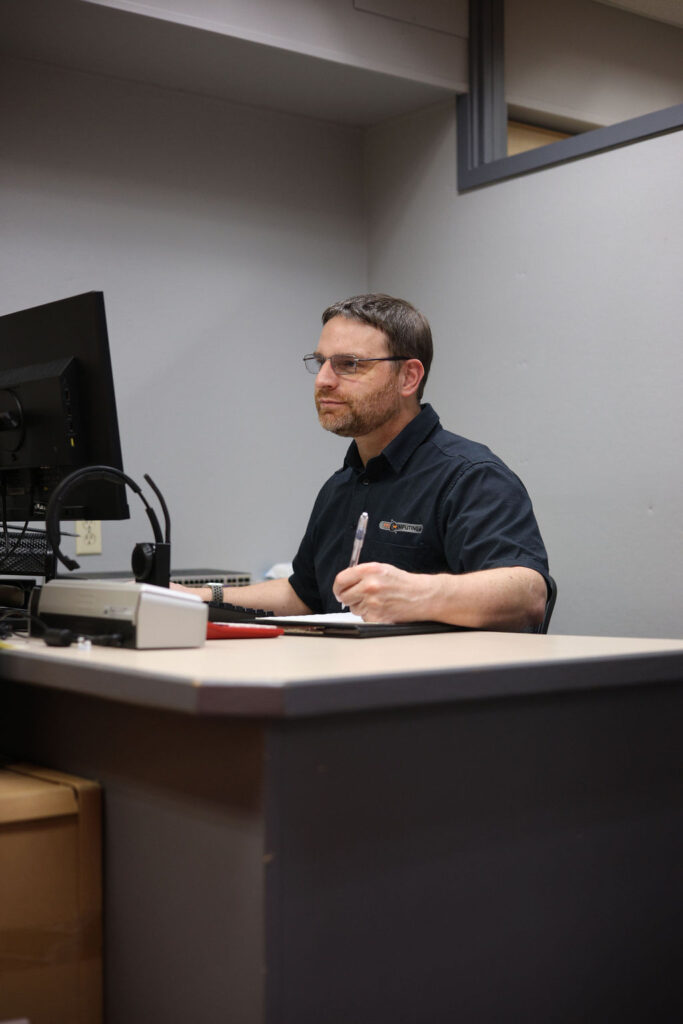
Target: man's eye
{"points": [[345, 364]]}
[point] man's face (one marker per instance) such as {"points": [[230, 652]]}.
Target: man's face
{"points": [[356, 405]]}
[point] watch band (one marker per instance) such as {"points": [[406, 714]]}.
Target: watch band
{"points": [[216, 593]]}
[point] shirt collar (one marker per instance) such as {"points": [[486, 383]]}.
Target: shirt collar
{"points": [[398, 451]]}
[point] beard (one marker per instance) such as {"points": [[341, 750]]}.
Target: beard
{"points": [[359, 416]]}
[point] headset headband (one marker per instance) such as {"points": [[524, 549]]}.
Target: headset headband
{"points": [[98, 473]]}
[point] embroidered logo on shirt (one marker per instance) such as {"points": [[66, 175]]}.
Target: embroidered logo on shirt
{"points": [[393, 527]]}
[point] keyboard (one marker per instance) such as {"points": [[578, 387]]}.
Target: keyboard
{"points": [[235, 613]]}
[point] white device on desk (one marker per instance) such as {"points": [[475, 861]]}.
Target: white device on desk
{"points": [[142, 615]]}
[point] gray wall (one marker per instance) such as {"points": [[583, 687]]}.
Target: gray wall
{"points": [[555, 301], [218, 233]]}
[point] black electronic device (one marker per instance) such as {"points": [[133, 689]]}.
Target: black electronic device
{"points": [[57, 415], [57, 409]]}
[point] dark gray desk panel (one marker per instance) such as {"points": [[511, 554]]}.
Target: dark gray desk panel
{"points": [[495, 861]]}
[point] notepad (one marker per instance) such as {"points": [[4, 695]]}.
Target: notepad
{"points": [[347, 624]]}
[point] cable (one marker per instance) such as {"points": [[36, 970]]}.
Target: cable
{"points": [[8, 553], [53, 636], [6, 530], [8, 614], [4, 509]]}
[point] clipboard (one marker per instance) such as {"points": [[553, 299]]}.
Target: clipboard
{"points": [[346, 624]]}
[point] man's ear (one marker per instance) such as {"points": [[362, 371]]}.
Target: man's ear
{"points": [[412, 372]]}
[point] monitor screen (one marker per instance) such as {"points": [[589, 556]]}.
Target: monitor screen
{"points": [[57, 411]]}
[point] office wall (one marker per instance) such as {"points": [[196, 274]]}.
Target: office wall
{"points": [[218, 233], [556, 305]]}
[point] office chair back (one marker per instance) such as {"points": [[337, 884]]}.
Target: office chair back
{"points": [[549, 605]]}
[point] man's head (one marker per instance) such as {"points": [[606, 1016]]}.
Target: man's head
{"points": [[407, 330], [368, 381]]}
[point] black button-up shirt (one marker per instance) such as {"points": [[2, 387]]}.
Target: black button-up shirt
{"points": [[436, 503]]}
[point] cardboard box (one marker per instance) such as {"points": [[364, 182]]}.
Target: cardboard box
{"points": [[50, 897]]}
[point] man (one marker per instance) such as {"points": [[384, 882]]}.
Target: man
{"points": [[451, 534]]}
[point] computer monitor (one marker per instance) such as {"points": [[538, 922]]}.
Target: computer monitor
{"points": [[57, 414]]}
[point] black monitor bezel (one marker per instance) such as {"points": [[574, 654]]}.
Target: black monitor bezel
{"points": [[73, 327]]}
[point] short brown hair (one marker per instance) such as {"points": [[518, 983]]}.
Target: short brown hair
{"points": [[407, 330]]}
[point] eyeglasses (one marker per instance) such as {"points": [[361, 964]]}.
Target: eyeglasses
{"points": [[344, 366]]}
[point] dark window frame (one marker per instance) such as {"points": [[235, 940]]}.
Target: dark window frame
{"points": [[482, 115]]}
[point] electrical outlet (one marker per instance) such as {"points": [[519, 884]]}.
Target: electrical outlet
{"points": [[88, 537]]}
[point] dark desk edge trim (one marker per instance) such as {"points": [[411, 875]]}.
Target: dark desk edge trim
{"points": [[131, 686], [334, 696], [486, 683], [343, 695]]}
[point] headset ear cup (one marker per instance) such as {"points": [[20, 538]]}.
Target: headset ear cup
{"points": [[152, 564], [142, 561]]}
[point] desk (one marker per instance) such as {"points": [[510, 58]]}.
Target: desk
{"points": [[454, 827]]}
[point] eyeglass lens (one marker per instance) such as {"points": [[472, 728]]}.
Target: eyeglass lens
{"points": [[341, 364]]}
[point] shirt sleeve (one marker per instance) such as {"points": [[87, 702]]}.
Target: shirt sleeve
{"points": [[488, 522], [303, 579]]}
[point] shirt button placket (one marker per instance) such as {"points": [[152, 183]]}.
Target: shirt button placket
{"points": [[360, 498]]}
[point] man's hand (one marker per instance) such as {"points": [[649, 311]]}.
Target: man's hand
{"points": [[507, 598], [203, 592], [380, 593]]}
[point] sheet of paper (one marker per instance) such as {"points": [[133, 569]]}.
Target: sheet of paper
{"points": [[328, 619]]}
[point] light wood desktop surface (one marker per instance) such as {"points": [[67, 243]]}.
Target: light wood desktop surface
{"points": [[306, 675]]}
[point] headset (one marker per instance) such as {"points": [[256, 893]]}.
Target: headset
{"points": [[151, 562]]}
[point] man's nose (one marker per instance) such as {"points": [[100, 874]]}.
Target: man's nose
{"points": [[326, 377]]}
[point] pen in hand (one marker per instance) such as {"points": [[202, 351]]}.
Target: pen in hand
{"points": [[361, 529], [358, 539]]}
